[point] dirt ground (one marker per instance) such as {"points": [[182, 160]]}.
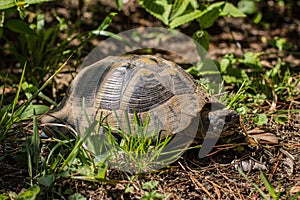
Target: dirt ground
{"points": [[215, 176]]}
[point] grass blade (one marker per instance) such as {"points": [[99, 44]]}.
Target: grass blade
{"points": [[78, 144], [19, 89], [264, 195], [268, 185], [35, 142]]}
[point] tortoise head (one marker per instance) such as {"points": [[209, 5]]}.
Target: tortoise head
{"points": [[58, 120], [217, 121]]}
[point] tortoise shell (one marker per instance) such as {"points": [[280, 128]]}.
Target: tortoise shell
{"points": [[122, 86], [125, 85]]}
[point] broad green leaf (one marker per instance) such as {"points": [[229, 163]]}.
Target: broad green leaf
{"points": [[247, 6], [262, 119], [20, 26], [160, 9], [231, 11], [234, 75], [30, 194], [4, 197], [185, 18], [4, 4], [252, 60], [211, 14], [209, 17], [178, 8], [46, 180], [224, 64]]}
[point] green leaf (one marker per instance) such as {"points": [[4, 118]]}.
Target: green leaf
{"points": [[30, 194], [76, 196], [252, 60], [224, 64], [40, 24], [247, 6], [209, 17], [242, 110], [185, 18], [20, 26], [4, 4], [4, 197], [235, 75], [281, 119], [194, 4], [231, 11], [31, 110], [30, 89], [78, 144], [150, 185], [129, 189], [178, 8], [119, 4], [106, 22], [262, 119], [160, 9], [219, 5], [102, 171], [153, 195], [280, 43], [258, 17], [46, 180], [202, 37], [1, 32]]}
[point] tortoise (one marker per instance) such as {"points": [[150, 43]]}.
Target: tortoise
{"points": [[122, 86]]}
